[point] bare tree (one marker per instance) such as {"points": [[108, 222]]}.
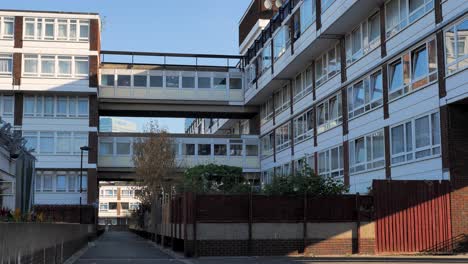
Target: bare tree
{"points": [[154, 159]]}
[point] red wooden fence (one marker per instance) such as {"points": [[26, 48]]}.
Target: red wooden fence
{"points": [[412, 216]]}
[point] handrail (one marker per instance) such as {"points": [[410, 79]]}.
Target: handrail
{"points": [[164, 54]]}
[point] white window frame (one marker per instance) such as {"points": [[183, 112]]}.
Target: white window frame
{"points": [[39, 25], [369, 163], [407, 18], [410, 155], [306, 133], [329, 123], [9, 57], [73, 140], [283, 137], [266, 110], [282, 99], [57, 59], [266, 143], [328, 171], [326, 75], [366, 44], [3, 21], [459, 62], [41, 114], [369, 103], [4, 113]]}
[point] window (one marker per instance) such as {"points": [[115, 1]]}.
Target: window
{"points": [[6, 27], [204, 149], [220, 150], [266, 111], [235, 149], [64, 142], [172, 81], [327, 65], [365, 95], [47, 182], [266, 57], [283, 137], [106, 147], [266, 143], [363, 38], [301, 164], [45, 29], [81, 66], [413, 70], [55, 107], [60, 183], [6, 105], [112, 206], [282, 99], [329, 113], [281, 42], [204, 82], [58, 66], [139, 80], [367, 152], [251, 150], [400, 13], [156, 81], [303, 126], [235, 83], [107, 80], [124, 80], [134, 206], [456, 46], [123, 146], [416, 139], [31, 140], [219, 82], [307, 14], [325, 4], [188, 82], [188, 149], [72, 183], [103, 206], [303, 84], [46, 142], [55, 142], [6, 64], [124, 206], [330, 162]]}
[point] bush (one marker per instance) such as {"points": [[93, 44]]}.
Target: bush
{"points": [[212, 178], [306, 183]]}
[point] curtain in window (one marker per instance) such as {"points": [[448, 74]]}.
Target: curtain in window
{"points": [[5, 65]]}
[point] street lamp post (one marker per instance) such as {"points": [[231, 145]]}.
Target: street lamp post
{"points": [[83, 148]]}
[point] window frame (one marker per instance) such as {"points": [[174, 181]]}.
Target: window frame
{"points": [[329, 123], [457, 63], [370, 163], [39, 25], [369, 103]]}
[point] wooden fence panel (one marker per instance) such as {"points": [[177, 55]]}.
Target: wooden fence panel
{"points": [[412, 216]]}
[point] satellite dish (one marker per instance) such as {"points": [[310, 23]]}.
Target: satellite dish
{"points": [[278, 3], [268, 4]]}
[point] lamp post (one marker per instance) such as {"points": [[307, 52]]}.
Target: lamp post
{"points": [[83, 148]]}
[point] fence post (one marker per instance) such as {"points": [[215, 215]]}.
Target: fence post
{"points": [[250, 224], [194, 224], [358, 223], [304, 229]]}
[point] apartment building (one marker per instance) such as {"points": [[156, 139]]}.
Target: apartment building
{"points": [[48, 91], [359, 90], [117, 201]]}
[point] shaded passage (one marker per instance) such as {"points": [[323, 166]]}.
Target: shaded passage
{"points": [[124, 247]]}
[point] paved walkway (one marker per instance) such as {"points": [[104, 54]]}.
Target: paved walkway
{"points": [[124, 247]]}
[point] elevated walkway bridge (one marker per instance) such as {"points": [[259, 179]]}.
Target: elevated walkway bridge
{"points": [[115, 160], [147, 84]]}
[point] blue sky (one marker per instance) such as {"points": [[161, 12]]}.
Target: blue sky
{"points": [[185, 26]]}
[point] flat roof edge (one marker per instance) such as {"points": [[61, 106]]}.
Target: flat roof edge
{"points": [[49, 12]]}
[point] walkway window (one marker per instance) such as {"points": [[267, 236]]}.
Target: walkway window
{"points": [[219, 83], [123, 146], [235, 149], [266, 57], [235, 83], [416, 139], [280, 44], [188, 149], [326, 4], [251, 150], [107, 80], [282, 99], [266, 111], [140, 80], [204, 82], [59, 181], [283, 137], [266, 143], [188, 82], [363, 39], [456, 46], [204, 149], [307, 14], [172, 81], [327, 65], [124, 80], [156, 81], [220, 150]]}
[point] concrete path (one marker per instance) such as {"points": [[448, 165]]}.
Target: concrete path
{"points": [[124, 247]]}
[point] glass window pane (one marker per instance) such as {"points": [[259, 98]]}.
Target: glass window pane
{"points": [[219, 83], [220, 150], [204, 82], [376, 86], [61, 183], [123, 80], [107, 80], [49, 106], [47, 183], [235, 150], [83, 107], [47, 145], [396, 76], [435, 129], [359, 151], [84, 30], [422, 132], [188, 82], [420, 63], [64, 65], [72, 180], [123, 148], [398, 144], [235, 83], [156, 81], [358, 98], [251, 150], [62, 106], [172, 81], [188, 149], [139, 80], [48, 65], [81, 66], [378, 145], [106, 148], [204, 149]]}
